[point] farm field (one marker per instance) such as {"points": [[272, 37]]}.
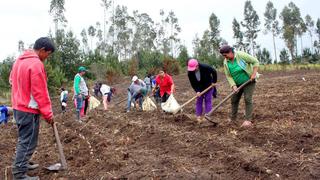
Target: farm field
{"points": [[283, 144]]}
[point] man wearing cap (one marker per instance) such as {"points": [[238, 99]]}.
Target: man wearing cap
{"points": [[201, 76], [137, 90], [240, 67], [80, 91]]}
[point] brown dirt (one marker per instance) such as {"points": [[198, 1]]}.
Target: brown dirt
{"points": [[283, 144]]}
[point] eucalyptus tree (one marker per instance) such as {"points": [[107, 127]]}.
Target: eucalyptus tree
{"points": [[144, 33], [317, 42], [291, 28], [106, 4], [318, 29], [310, 28], [101, 46], [21, 46], [251, 22], [183, 56], [272, 24], [284, 56], [57, 11], [123, 32], [264, 56], [196, 46], [162, 41], [215, 39], [175, 29], [92, 33], [84, 40], [167, 33], [238, 35], [302, 28]]}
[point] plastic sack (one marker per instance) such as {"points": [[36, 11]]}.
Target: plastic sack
{"points": [[93, 102], [170, 105], [148, 105], [4, 114]]}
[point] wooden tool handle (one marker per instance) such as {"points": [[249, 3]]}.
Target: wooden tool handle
{"points": [[190, 100], [61, 154], [225, 99]]}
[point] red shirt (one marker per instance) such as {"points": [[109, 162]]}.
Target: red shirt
{"points": [[29, 91], [165, 84]]}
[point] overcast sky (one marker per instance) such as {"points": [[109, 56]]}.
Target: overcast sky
{"points": [[28, 20]]}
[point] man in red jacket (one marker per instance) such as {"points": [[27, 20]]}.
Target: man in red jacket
{"points": [[30, 98]]}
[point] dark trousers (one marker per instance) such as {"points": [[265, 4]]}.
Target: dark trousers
{"points": [[248, 93], [165, 97], [86, 105], [28, 131]]}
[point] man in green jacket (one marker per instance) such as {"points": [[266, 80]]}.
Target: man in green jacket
{"points": [[240, 67], [81, 92]]}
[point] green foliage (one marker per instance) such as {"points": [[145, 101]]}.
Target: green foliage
{"points": [[284, 57], [264, 56], [56, 77], [272, 24], [67, 56], [251, 22], [238, 35], [171, 66], [292, 24], [5, 69], [183, 56], [214, 33], [288, 67]]}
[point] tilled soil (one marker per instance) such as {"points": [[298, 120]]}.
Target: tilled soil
{"points": [[283, 144]]}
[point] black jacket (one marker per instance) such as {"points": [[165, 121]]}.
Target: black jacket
{"points": [[208, 75]]}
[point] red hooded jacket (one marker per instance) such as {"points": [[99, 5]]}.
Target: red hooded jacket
{"points": [[29, 85]]}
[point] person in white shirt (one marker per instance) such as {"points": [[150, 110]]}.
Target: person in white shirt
{"points": [[106, 92], [63, 99]]}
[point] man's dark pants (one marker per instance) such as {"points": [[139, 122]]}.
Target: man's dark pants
{"points": [[28, 131]]}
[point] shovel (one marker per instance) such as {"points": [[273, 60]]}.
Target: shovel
{"points": [[207, 116], [190, 100], [63, 164]]}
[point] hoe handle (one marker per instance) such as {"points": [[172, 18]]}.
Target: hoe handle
{"points": [[225, 99], [61, 154], [190, 100]]}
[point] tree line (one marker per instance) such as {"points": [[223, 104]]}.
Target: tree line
{"points": [[124, 43]]}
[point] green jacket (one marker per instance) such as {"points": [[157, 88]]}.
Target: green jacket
{"points": [[80, 86], [245, 61]]}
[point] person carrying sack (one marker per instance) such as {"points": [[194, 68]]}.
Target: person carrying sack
{"points": [[106, 92], [165, 83], [136, 91], [63, 99]]}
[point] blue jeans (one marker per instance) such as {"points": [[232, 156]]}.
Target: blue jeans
{"points": [[135, 96], [79, 102], [28, 131]]}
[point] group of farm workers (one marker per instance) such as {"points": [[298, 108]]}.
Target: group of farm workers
{"points": [[30, 97]]}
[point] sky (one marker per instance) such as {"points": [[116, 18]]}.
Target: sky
{"points": [[29, 20]]}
